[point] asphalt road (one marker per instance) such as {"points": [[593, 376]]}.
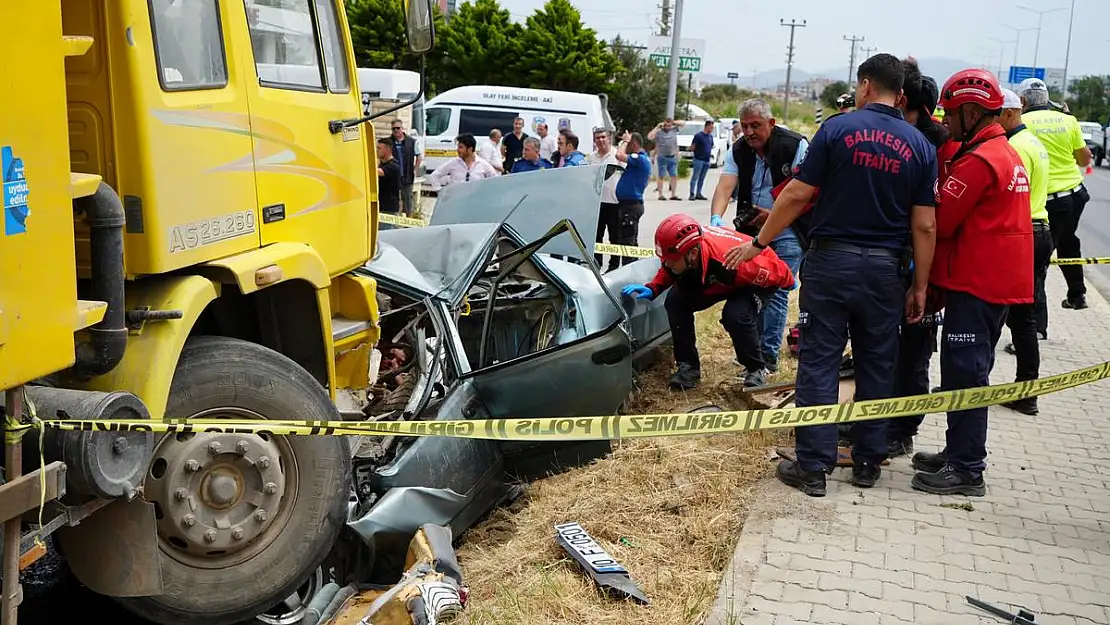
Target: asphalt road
{"points": [[1094, 228]]}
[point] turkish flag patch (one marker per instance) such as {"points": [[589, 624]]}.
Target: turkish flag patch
{"points": [[954, 187]]}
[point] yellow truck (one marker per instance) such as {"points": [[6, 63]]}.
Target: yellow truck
{"points": [[188, 185]]}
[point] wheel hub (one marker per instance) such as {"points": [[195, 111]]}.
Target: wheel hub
{"points": [[215, 493]]}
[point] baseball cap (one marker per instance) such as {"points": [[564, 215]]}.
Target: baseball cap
{"points": [[1010, 100], [1032, 84]]}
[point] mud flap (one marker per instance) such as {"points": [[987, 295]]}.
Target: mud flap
{"points": [[115, 551]]}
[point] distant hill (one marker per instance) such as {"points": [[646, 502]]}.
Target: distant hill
{"points": [[939, 68]]}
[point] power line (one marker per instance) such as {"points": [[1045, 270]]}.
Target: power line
{"points": [[852, 60], [793, 24]]}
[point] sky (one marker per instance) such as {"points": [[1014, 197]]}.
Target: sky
{"points": [[742, 36]]}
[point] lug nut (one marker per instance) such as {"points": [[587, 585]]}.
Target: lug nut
{"points": [[271, 488], [119, 446], [192, 466], [237, 533], [189, 520], [260, 515], [214, 447], [242, 447], [210, 536], [264, 462], [180, 494]]}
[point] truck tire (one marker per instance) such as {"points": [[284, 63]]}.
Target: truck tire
{"points": [[243, 520]]}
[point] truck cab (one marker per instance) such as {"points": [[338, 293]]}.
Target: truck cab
{"points": [[201, 187]]}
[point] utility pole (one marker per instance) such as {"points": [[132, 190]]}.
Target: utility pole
{"points": [[868, 50], [1040, 19], [852, 62], [1067, 54], [754, 70], [789, 65], [676, 41], [665, 19], [1017, 44]]}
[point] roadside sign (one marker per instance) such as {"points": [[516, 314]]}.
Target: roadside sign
{"points": [[1019, 73], [733, 76], [690, 53]]}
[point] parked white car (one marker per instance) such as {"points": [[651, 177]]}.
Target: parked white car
{"points": [[686, 138]]}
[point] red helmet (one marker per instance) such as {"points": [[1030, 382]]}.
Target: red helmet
{"points": [[972, 86], [676, 235]]}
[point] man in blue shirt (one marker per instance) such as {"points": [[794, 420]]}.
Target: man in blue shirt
{"points": [[630, 188], [530, 160], [757, 163], [876, 175], [702, 145]]}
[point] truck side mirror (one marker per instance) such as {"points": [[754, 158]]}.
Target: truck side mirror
{"points": [[420, 25]]}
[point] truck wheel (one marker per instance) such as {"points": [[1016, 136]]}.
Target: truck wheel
{"points": [[243, 520]]}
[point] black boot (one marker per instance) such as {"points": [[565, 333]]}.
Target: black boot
{"points": [[950, 481], [1026, 406], [865, 474], [1075, 303], [791, 473], [771, 362], [897, 447], [754, 379], [686, 378], [929, 463]]}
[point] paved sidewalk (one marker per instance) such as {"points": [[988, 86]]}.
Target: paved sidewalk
{"points": [[891, 555]]}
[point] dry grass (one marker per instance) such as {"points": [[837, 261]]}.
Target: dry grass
{"points": [[669, 509]]}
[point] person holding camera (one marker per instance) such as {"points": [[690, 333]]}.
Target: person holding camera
{"points": [[760, 161]]}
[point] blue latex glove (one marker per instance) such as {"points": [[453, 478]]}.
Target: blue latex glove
{"points": [[716, 220], [636, 291]]}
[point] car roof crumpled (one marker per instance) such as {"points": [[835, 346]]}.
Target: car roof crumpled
{"points": [[434, 257]]}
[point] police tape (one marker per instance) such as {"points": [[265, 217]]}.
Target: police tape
{"points": [[623, 250], [399, 220], [614, 427], [1081, 261]]}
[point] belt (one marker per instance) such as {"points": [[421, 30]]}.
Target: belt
{"points": [[1060, 194], [1040, 224], [840, 246]]}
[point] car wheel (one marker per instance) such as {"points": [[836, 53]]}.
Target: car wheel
{"points": [[243, 520]]}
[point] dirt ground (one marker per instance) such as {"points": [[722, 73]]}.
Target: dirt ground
{"points": [[669, 509]]}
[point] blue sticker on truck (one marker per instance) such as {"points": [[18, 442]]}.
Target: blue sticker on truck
{"points": [[15, 193]]}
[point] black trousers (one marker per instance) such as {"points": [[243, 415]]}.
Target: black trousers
{"points": [[916, 344], [740, 317], [1063, 218], [1022, 319], [608, 219]]}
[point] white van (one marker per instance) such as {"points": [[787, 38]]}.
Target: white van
{"points": [[477, 109], [392, 84]]}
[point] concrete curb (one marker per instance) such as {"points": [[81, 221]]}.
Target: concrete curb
{"points": [[738, 578]]}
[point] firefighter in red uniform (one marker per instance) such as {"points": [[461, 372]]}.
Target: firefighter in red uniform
{"points": [[693, 262], [982, 264]]}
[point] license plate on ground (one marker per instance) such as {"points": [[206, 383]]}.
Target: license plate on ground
{"points": [[584, 545]]}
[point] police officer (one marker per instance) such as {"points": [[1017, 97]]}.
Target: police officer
{"points": [[982, 218], [1062, 137], [876, 175], [917, 341], [693, 263], [1025, 320]]}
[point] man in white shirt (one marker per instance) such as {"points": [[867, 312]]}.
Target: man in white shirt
{"points": [[548, 143], [609, 217], [465, 167], [491, 152]]}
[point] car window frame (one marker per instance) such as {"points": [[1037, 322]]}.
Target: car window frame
{"points": [[161, 69]]}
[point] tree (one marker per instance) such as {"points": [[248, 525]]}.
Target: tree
{"points": [[558, 52], [378, 35], [638, 92], [723, 91], [1091, 102], [479, 46], [832, 91]]}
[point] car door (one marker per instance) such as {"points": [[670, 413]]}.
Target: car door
{"points": [[581, 372], [312, 183]]}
